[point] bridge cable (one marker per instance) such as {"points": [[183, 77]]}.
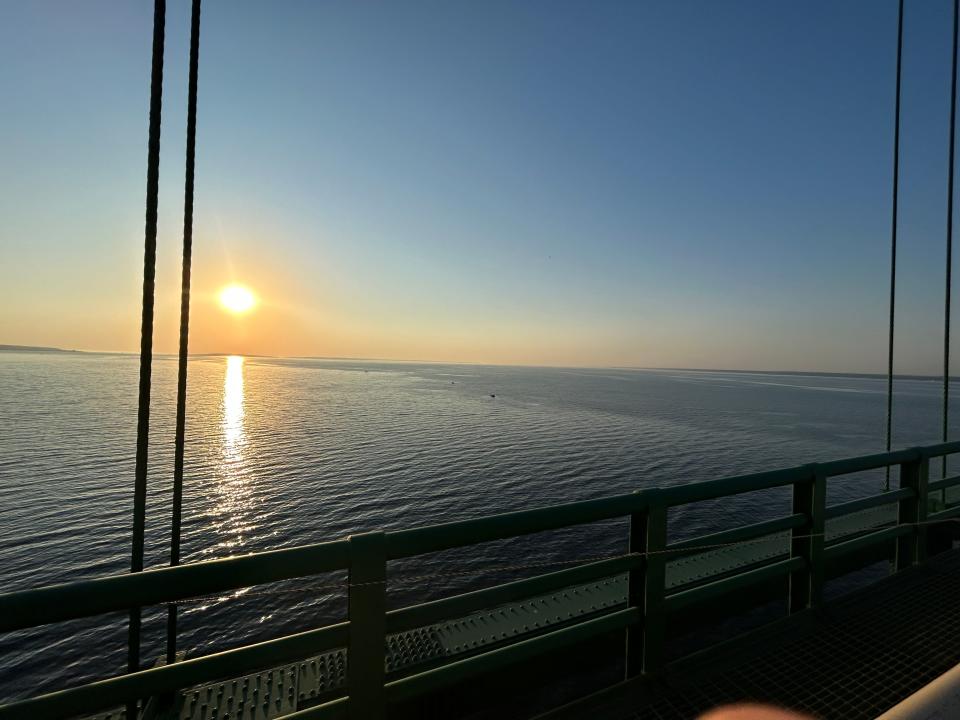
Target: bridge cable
{"points": [[893, 237], [949, 259], [184, 317], [146, 329]]}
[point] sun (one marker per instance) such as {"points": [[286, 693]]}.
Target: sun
{"points": [[237, 299]]}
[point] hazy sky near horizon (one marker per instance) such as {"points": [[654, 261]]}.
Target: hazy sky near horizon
{"points": [[649, 183]]}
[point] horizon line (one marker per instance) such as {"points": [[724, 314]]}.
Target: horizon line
{"points": [[836, 373]]}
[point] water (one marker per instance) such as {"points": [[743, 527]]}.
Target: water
{"points": [[286, 452]]}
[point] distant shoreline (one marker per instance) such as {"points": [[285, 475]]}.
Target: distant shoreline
{"points": [[34, 348], [811, 373], [794, 373]]}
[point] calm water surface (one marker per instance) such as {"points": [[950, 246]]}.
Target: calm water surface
{"points": [[286, 452]]}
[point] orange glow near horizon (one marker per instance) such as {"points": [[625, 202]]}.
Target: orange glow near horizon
{"points": [[237, 299]]}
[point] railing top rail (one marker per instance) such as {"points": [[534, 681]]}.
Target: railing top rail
{"points": [[433, 538], [947, 448], [55, 603], [723, 487], [869, 462]]}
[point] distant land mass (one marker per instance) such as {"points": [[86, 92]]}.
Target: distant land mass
{"points": [[811, 373], [33, 348]]}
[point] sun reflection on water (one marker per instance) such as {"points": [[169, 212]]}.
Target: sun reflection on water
{"points": [[233, 513], [233, 431]]}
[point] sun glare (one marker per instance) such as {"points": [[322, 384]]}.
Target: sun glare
{"points": [[237, 299]]}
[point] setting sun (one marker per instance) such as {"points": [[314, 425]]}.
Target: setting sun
{"points": [[237, 299]]}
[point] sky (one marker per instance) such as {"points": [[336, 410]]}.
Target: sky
{"points": [[652, 183]]}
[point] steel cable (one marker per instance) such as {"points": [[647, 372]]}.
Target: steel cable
{"points": [[184, 316], [146, 328]]}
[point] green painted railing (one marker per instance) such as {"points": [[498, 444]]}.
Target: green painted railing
{"points": [[649, 609]]}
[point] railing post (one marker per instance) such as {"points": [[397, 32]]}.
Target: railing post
{"points": [[912, 548], [636, 544], [807, 541], [367, 598], [654, 588]]}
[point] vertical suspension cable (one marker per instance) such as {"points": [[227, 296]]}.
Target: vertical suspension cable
{"points": [[949, 270], [893, 237], [184, 318], [146, 330]]}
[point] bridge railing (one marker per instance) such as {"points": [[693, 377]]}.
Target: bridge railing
{"points": [[803, 568]]}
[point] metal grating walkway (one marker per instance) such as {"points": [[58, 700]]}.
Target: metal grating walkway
{"points": [[855, 659]]}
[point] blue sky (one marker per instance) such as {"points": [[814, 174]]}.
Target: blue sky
{"points": [[693, 184]]}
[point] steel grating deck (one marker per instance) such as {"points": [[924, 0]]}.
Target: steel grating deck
{"points": [[853, 660]]}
